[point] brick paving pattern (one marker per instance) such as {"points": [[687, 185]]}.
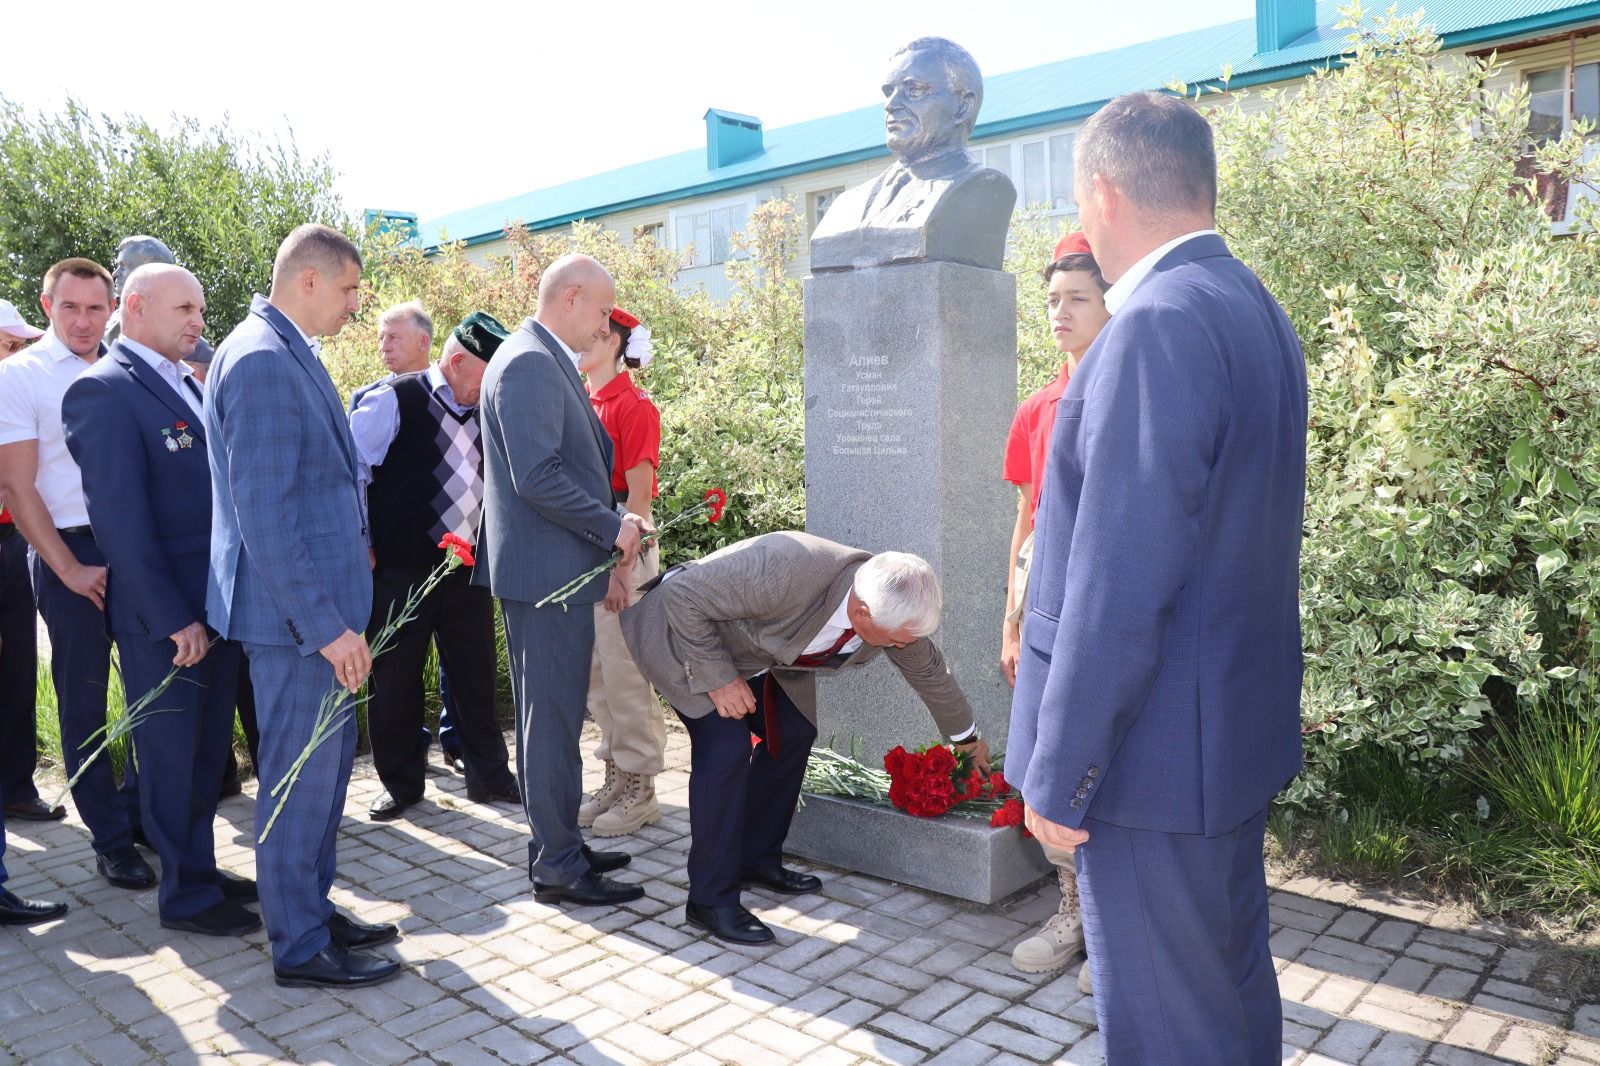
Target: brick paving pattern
{"points": [[864, 972]]}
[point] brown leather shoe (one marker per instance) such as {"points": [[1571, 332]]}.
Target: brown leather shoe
{"points": [[35, 810]]}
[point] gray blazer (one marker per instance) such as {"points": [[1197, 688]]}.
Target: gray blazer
{"points": [[548, 512], [754, 606]]}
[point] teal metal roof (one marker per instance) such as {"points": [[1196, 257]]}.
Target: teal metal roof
{"points": [[1015, 102]]}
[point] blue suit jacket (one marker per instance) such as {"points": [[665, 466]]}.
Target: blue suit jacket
{"points": [[142, 452], [289, 552], [548, 511], [1159, 682]]}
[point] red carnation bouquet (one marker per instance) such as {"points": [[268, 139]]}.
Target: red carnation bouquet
{"points": [[933, 780]]}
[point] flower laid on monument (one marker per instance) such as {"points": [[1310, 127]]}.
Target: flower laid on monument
{"points": [[927, 783], [338, 705], [711, 505]]}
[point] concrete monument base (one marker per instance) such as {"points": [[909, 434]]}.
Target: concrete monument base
{"points": [[953, 855]]}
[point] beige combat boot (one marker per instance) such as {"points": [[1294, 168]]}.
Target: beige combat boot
{"points": [[635, 808], [1061, 939], [603, 800]]}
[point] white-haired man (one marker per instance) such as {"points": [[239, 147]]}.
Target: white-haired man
{"points": [[742, 633]]}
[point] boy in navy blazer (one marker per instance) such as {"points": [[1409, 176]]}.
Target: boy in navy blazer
{"points": [[1158, 692], [133, 424]]}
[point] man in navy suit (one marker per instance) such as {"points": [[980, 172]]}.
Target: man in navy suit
{"points": [[290, 580], [1157, 702], [133, 424], [548, 516]]}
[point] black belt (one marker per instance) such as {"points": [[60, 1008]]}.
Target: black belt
{"points": [[76, 531]]}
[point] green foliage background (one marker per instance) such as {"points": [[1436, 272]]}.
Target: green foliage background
{"points": [[75, 184]]}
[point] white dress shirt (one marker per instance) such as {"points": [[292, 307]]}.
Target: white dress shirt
{"points": [[831, 630], [570, 354], [173, 373], [1118, 294], [32, 383]]}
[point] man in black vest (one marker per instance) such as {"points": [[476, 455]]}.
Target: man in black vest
{"points": [[422, 468]]}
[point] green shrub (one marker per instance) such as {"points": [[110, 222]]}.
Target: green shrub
{"points": [[1451, 534]]}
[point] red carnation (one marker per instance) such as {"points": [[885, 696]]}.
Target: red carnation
{"points": [[940, 760], [457, 547], [998, 784], [1010, 813], [973, 786], [718, 499]]}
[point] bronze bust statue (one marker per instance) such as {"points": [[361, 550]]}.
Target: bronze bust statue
{"points": [[934, 202]]}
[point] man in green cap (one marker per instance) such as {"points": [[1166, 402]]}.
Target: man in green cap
{"points": [[420, 465]]}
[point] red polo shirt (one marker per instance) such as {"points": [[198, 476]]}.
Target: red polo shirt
{"points": [[1028, 444], [635, 428]]}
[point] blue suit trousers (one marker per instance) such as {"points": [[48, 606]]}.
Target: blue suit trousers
{"points": [[1176, 925], [549, 650], [295, 865], [182, 753], [80, 665]]}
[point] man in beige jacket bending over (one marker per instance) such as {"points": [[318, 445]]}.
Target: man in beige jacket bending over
{"points": [[734, 642]]}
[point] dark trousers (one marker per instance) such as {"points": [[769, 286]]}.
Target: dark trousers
{"points": [[19, 666], [459, 618], [181, 755], [1176, 925], [295, 865], [247, 720], [741, 799], [80, 666], [549, 651]]}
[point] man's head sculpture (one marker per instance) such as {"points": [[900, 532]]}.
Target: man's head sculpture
{"points": [[931, 98], [135, 252]]}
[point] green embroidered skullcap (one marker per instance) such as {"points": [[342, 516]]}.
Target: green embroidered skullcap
{"points": [[480, 333]]}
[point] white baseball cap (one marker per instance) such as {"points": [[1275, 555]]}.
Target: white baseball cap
{"points": [[12, 322]]}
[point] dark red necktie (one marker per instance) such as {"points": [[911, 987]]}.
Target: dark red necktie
{"points": [[769, 689]]}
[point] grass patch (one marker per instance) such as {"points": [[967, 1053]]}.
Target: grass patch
{"points": [[1515, 828]]}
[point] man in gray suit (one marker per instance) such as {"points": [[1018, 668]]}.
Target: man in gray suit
{"points": [[548, 516], [743, 632]]}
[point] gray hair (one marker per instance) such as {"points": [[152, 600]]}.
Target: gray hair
{"points": [[413, 313], [1156, 148], [901, 591], [960, 70], [315, 247]]}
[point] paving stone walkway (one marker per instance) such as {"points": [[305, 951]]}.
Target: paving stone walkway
{"points": [[866, 971]]}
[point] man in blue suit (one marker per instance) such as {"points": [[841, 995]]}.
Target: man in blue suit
{"points": [[133, 424], [1157, 702], [290, 580], [548, 516]]}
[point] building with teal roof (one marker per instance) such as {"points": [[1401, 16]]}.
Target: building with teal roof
{"points": [[693, 200]]}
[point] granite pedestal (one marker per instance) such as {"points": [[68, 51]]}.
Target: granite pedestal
{"points": [[910, 387]]}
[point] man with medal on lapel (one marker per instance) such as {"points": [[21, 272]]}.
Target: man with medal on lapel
{"points": [[132, 423]]}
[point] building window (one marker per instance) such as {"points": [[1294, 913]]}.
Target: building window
{"points": [[1041, 170], [655, 231], [820, 202], [1557, 99], [704, 233]]}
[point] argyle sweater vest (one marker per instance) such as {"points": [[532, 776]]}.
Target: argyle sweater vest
{"points": [[430, 481]]}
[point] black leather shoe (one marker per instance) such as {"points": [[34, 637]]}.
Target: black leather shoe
{"points": [[506, 793], [731, 923], [588, 891], [349, 933], [222, 919], [788, 882], [337, 967], [386, 808], [238, 889], [125, 868], [35, 810], [14, 910], [603, 862]]}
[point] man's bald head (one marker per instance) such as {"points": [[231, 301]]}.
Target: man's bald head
{"points": [[163, 308], [576, 295]]}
